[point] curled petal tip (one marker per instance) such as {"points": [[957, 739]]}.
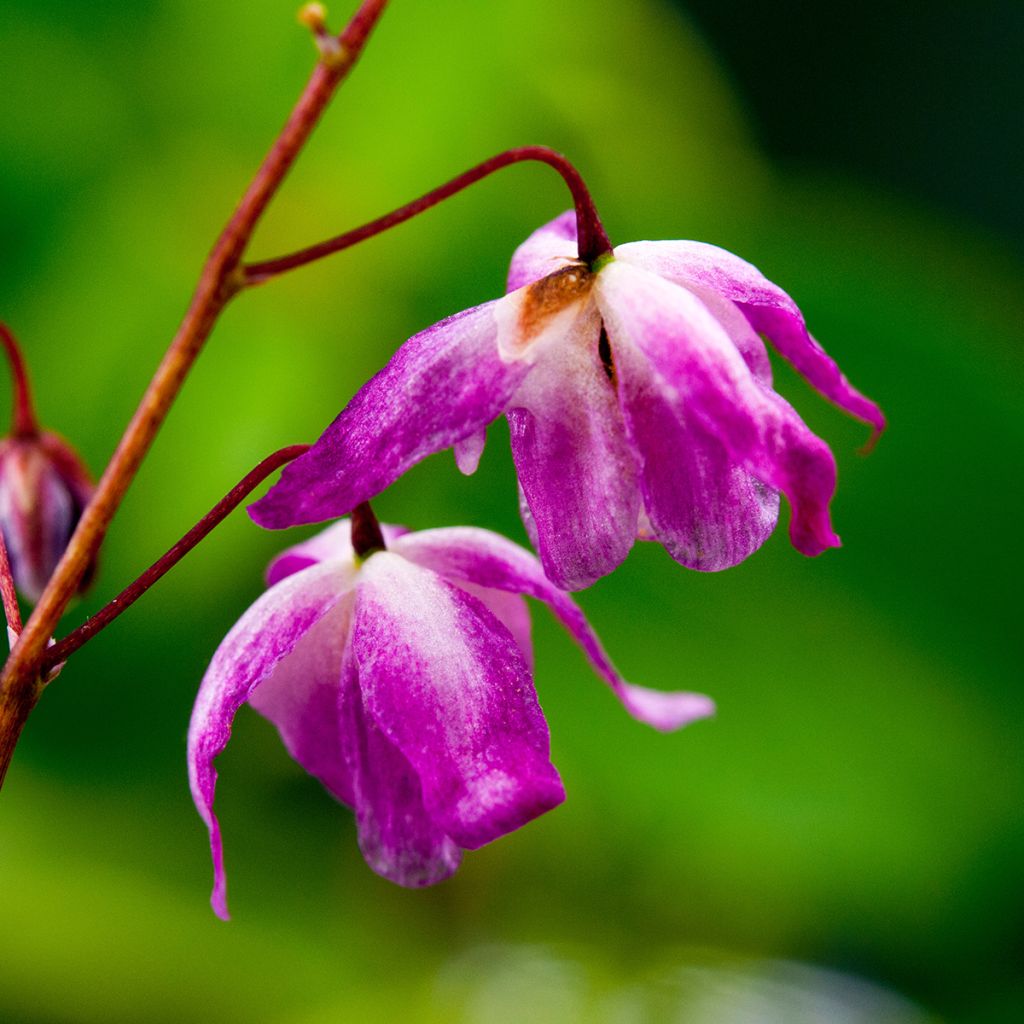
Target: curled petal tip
{"points": [[879, 428], [813, 539], [663, 711]]}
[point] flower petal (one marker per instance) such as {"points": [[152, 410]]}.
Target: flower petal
{"points": [[576, 470], [441, 386], [548, 249], [300, 696], [464, 553], [708, 511], [331, 544], [698, 371], [506, 606], [265, 635], [397, 836], [469, 450], [447, 685], [768, 308]]}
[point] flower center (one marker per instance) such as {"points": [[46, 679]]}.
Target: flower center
{"points": [[550, 295]]}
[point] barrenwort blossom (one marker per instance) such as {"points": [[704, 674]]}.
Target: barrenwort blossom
{"points": [[639, 400], [402, 681], [43, 489]]}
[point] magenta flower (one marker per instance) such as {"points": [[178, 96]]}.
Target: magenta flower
{"points": [[403, 683], [639, 400]]}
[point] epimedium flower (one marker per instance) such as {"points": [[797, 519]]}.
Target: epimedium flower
{"points": [[401, 679], [44, 487], [639, 398]]}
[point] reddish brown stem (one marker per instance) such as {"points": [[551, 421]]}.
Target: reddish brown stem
{"points": [[592, 240], [23, 413], [106, 615], [220, 280]]}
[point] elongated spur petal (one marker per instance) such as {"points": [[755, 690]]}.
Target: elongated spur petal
{"points": [[441, 386], [448, 686], [261, 639], [464, 553], [397, 836], [331, 544], [698, 370], [769, 309], [548, 249], [576, 470]]}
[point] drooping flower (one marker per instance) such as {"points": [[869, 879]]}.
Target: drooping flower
{"points": [[639, 400], [44, 486], [402, 681], [43, 489]]}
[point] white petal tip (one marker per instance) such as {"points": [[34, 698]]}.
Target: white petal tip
{"points": [[666, 712]]}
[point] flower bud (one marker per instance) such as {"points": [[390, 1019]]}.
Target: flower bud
{"points": [[43, 489]]}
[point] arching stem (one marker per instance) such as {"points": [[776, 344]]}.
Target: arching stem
{"points": [[592, 240], [23, 413]]}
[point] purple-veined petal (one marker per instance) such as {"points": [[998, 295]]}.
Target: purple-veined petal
{"points": [[300, 696], [441, 386], [266, 634], [331, 544], [465, 553], [548, 249], [469, 450], [576, 470], [707, 510], [699, 371], [397, 836], [449, 687], [506, 606], [768, 308]]}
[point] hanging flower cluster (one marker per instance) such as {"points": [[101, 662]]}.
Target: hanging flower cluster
{"points": [[396, 665]]}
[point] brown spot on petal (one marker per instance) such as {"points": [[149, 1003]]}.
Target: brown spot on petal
{"points": [[550, 295]]}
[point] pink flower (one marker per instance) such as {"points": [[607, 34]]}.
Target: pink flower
{"points": [[402, 682], [639, 400]]}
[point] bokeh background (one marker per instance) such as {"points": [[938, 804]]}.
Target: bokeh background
{"points": [[843, 843]]}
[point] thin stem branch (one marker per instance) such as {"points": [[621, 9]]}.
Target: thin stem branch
{"points": [[220, 280], [23, 413], [593, 241], [106, 615], [8, 595]]}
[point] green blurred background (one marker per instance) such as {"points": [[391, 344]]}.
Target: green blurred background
{"points": [[844, 841]]}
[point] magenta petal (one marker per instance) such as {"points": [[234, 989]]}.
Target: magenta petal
{"points": [[441, 386], [331, 544], [548, 249], [397, 836], [707, 511], [464, 553], [448, 686], [265, 635], [769, 309], [577, 473], [697, 368]]}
